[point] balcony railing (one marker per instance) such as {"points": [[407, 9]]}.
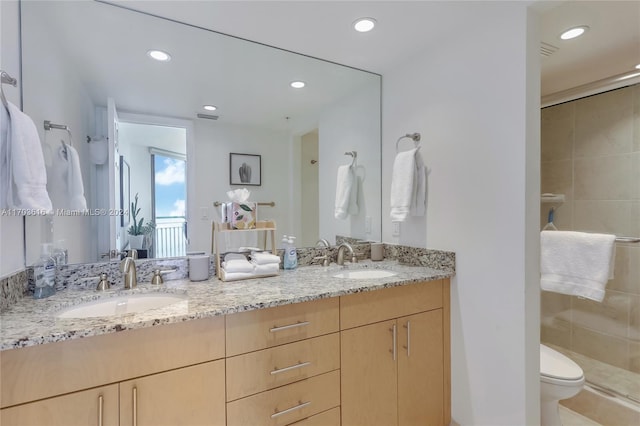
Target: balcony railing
{"points": [[170, 238]]}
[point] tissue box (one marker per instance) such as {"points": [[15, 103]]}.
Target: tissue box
{"points": [[242, 215]]}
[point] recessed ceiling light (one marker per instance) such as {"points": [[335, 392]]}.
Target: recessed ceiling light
{"points": [[573, 32], [159, 55], [210, 107], [298, 84], [364, 24], [638, 67]]}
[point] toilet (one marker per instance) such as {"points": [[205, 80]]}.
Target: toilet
{"points": [[560, 378]]}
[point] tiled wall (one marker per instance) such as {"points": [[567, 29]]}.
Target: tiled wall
{"points": [[591, 153]]}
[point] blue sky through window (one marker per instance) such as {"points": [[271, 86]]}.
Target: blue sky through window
{"points": [[170, 187]]}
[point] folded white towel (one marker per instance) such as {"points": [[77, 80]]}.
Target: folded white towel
{"points": [[346, 192], [576, 263], [408, 186], [237, 265], [26, 186], [231, 256], [264, 258], [268, 269], [234, 276]]}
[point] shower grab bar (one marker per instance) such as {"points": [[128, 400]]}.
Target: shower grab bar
{"points": [[627, 240]]}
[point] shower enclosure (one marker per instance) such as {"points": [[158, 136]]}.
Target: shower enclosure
{"points": [[591, 154]]}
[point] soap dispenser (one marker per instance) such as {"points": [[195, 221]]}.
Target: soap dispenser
{"points": [[290, 254]]}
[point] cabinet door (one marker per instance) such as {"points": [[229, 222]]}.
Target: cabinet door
{"points": [[186, 396], [369, 376], [420, 369], [97, 406]]}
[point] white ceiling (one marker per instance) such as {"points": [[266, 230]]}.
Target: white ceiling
{"points": [[405, 28], [321, 29]]}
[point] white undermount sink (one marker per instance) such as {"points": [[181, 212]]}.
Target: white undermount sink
{"points": [[121, 305], [362, 274]]}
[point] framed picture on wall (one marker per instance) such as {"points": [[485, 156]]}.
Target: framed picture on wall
{"points": [[245, 169]]}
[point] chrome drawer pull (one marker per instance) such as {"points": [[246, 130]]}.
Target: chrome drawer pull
{"points": [[286, 327], [100, 409], [394, 332], [291, 367], [289, 410], [408, 347], [135, 406]]}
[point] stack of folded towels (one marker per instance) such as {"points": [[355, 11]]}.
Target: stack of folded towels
{"points": [[265, 263], [237, 267]]}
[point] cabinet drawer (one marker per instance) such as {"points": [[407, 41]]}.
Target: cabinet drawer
{"points": [[374, 306], [269, 368], [287, 404], [264, 328], [328, 418]]}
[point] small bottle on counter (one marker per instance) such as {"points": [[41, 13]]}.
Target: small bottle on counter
{"points": [[290, 254], [60, 253], [44, 271]]}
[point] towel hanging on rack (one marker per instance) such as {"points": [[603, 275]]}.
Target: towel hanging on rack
{"points": [[408, 186], [23, 181]]}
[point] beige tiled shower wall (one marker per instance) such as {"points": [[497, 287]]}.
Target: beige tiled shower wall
{"points": [[591, 153]]}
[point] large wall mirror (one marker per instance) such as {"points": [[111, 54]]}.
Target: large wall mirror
{"points": [[85, 65]]}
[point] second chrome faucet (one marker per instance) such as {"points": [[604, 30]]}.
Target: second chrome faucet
{"points": [[128, 268]]}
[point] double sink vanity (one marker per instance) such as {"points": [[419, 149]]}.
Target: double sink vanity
{"points": [[365, 344]]}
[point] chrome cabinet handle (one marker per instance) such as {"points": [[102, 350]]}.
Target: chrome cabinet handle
{"points": [[289, 410], [291, 367], [135, 406], [394, 331], [100, 407], [286, 327], [408, 347]]}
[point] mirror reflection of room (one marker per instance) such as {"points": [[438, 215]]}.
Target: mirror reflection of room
{"points": [[99, 82]]}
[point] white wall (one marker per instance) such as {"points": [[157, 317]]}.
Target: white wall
{"points": [[213, 143], [11, 228], [66, 102], [351, 125], [475, 100]]}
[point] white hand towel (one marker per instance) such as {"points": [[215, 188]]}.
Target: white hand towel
{"points": [[5, 159], [408, 186], [264, 258], [75, 187], [65, 179], [346, 192], [234, 276], [268, 269], [576, 263], [27, 184], [237, 265]]}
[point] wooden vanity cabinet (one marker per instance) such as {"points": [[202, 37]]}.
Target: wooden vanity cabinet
{"points": [[394, 344], [373, 358], [177, 368], [283, 365]]}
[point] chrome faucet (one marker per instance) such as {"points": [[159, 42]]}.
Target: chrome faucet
{"points": [[323, 243], [128, 267], [341, 249], [326, 261]]}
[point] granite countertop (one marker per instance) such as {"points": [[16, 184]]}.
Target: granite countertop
{"points": [[31, 322]]}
